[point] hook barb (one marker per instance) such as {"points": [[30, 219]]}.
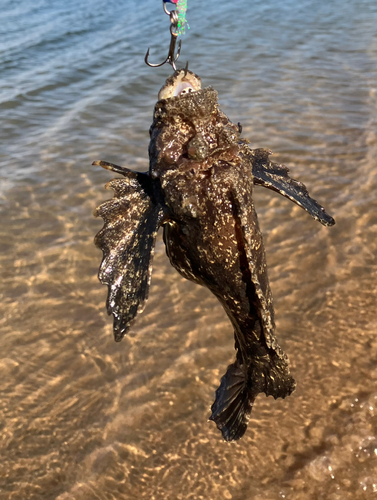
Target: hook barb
{"points": [[171, 58]]}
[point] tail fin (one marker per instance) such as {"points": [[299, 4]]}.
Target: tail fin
{"points": [[240, 386], [232, 407]]}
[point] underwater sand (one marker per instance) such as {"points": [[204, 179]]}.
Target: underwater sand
{"points": [[85, 418]]}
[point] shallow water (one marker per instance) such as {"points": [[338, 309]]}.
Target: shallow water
{"points": [[85, 418]]}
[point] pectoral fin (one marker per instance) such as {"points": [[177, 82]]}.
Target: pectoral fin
{"points": [[127, 240], [250, 239], [270, 371], [275, 177]]}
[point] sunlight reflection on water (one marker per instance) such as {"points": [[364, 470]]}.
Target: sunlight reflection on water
{"points": [[83, 417]]}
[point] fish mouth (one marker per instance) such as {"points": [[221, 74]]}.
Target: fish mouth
{"points": [[183, 88], [182, 82]]}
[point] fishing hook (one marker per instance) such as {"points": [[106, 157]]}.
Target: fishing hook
{"points": [[171, 58]]}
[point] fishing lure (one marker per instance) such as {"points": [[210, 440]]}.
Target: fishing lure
{"points": [[178, 25], [181, 10], [199, 188], [182, 23]]}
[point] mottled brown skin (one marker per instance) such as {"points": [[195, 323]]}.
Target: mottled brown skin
{"points": [[200, 187]]}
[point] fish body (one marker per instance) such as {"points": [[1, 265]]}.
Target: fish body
{"points": [[200, 189], [215, 241]]}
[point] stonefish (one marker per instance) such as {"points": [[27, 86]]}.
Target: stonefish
{"points": [[199, 188]]}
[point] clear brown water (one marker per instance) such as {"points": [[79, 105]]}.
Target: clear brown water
{"points": [[84, 418]]}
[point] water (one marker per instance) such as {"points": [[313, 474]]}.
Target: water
{"points": [[85, 418]]}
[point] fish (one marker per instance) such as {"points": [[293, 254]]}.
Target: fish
{"points": [[199, 189]]}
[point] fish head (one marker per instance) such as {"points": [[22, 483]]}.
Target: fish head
{"points": [[188, 129]]}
